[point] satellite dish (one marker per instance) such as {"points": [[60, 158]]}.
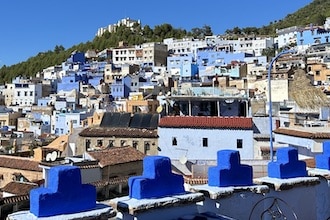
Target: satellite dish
{"points": [[159, 109], [53, 156], [183, 160], [48, 156]]}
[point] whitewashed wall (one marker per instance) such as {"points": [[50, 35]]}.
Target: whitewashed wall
{"points": [[190, 143]]}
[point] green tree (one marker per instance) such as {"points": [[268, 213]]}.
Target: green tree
{"points": [[58, 49], [207, 30], [319, 19]]}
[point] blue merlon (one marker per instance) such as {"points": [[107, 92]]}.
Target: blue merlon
{"points": [[322, 161], [229, 170], [287, 164], [156, 181], [64, 195]]}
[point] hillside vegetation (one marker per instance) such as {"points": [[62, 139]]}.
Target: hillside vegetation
{"points": [[315, 13]]}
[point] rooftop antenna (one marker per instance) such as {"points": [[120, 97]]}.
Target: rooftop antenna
{"points": [[159, 109], [183, 159], [48, 156]]}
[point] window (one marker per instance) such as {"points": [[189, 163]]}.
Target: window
{"points": [[317, 72], [110, 143], [146, 147], [135, 144], [122, 143], [204, 62], [239, 143], [174, 141], [99, 143], [87, 144], [205, 144]]}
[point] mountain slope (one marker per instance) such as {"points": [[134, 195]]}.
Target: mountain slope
{"points": [[315, 13]]}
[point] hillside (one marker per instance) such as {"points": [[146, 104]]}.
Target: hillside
{"points": [[315, 13]]}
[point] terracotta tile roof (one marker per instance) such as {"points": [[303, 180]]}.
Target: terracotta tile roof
{"points": [[116, 155], [304, 134], [19, 163], [206, 122], [19, 188], [118, 132]]}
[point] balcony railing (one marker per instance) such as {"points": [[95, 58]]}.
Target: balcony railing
{"points": [[210, 91]]}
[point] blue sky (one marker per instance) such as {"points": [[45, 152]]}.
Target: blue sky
{"points": [[30, 27]]}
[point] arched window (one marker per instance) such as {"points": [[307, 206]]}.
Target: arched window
{"points": [[174, 141]]}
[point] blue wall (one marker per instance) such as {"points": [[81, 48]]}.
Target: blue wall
{"points": [[313, 36]]}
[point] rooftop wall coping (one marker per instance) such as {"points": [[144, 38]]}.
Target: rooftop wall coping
{"points": [[132, 206], [285, 184], [100, 210], [214, 192], [319, 172]]}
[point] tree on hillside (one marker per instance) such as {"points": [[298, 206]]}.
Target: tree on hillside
{"points": [[147, 32], [200, 33], [319, 19], [58, 49]]}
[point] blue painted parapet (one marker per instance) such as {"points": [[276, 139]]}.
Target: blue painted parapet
{"points": [[64, 195], [287, 164], [156, 181], [229, 170], [323, 160]]}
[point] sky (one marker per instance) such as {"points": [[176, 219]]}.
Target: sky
{"points": [[30, 27]]}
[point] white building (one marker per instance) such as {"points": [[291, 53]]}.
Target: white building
{"points": [[253, 45], [287, 36], [129, 55], [22, 93], [112, 27], [184, 46], [327, 24], [201, 137], [52, 72], [154, 54]]}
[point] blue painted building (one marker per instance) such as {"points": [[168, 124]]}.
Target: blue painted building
{"points": [[313, 35], [231, 70], [44, 101], [77, 57], [72, 81], [121, 88], [209, 60], [65, 121], [68, 83], [182, 66]]}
